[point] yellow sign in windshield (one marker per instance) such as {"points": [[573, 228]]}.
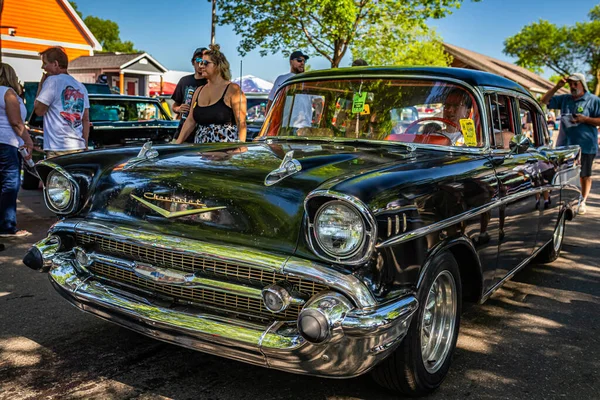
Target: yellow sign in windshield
{"points": [[467, 127]]}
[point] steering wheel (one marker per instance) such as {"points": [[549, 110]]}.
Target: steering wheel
{"points": [[440, 119]]}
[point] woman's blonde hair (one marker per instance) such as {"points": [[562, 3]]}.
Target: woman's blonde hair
{"points": [[8, 77], [220, 61]]}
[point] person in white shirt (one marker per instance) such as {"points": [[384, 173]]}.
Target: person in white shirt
{"points": [[297, 63], [64, 104], [13, 135], [302, 111]]}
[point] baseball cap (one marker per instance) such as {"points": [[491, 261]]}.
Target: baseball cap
{"points": [[297, 54], [199, 50], [579, 77]]}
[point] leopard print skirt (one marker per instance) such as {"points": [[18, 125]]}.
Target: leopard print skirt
{"points": [[216, 133]]}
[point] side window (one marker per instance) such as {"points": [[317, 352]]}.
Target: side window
{"points": [[529, 121], [502, 120]]}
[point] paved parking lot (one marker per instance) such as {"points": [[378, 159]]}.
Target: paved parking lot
{"points": [[537, 338]]}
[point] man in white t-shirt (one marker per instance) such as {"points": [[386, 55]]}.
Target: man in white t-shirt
{"points": [[302, 111], [297, 63], [64, 104]]}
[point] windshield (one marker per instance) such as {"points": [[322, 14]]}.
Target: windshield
{"points": [[410, 111], [124, 110], [256, 110]]}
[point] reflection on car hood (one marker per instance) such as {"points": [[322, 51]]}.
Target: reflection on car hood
{"points": [[232, 176], [135, 124]]}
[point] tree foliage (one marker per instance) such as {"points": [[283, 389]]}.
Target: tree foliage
{"points": [[417, 47], [563, 49], [329, 27], [107, 32]]}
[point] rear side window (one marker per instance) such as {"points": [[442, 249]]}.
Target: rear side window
{"points": [[529, 121], [502, 120]]}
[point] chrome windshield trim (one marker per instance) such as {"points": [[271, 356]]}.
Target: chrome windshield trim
{"points": [[370, 233], [426, 230], [336, 279], [483, 118]]}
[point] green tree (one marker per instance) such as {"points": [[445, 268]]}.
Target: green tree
{"points": [[586, 39], [419, 47], [563, 49], [107, 32], [329, 27], [542, 44]]}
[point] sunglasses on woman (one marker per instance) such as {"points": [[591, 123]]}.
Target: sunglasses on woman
{"points": [[203, 62]]}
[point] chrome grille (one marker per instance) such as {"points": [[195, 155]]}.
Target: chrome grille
{"points": [[229, 302], [221, 269]]}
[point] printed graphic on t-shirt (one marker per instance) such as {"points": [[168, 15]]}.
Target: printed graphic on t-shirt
{"points": [[72, 104]]}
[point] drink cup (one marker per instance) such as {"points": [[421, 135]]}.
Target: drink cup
{"points": [[24, 153]]}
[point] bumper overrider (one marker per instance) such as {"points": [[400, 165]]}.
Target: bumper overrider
{"points": [[340, 333]]}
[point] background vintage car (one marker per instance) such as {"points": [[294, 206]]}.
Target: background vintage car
{"points": [[116, 120], [329, 246]]}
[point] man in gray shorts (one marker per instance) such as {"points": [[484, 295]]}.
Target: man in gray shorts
{"points": [[580, 117]]}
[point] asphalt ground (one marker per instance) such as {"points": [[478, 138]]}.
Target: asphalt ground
{"points": [[536, 338]]}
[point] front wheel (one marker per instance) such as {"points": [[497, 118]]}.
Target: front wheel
{"points": [[423, 359]]}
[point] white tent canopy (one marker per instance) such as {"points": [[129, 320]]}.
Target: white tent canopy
{"points": [[253, 84]]}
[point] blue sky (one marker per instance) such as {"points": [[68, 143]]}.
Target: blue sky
{"points": [[171, 30]]}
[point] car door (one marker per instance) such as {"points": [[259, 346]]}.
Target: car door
{"points": [[518, 185], [545, 167], [560, 177]]}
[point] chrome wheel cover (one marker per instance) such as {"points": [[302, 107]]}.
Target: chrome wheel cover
{"points": [[438, 322], [559, 234]]}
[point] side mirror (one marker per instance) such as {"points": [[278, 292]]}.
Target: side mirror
{"points": [[519, 144]]}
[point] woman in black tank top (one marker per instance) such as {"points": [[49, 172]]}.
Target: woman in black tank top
{"points": [[223, 120]]}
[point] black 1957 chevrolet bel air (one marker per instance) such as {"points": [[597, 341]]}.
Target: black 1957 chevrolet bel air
{"points": [[344, 240]]}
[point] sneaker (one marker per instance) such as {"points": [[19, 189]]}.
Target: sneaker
{"points": [[18, 234], [582, 208]]}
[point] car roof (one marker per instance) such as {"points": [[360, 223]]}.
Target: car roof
{"points": [[469, 76], [121, 97]]}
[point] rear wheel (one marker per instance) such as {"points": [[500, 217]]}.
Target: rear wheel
{"points": [[552, 250], [423, 359]]}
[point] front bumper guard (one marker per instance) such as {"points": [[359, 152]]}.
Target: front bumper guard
{"points": [[360, 340]]}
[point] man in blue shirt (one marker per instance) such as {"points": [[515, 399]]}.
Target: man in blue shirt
{"points": [[580, 117]]}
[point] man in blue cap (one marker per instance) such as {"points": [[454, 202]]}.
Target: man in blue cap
{"points": [[580, 118]]}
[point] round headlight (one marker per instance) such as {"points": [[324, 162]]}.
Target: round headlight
{"points": [[60, 190], [339, 229]]}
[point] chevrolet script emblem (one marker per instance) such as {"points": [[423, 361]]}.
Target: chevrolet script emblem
{"points": [[177, 200]]}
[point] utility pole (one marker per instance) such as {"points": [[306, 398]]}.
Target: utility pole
{"points": [[213, 21], [1, 10]]}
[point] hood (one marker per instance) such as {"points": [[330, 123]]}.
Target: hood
{"points": [[227, 184]]}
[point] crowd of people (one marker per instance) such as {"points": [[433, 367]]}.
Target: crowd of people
{"points": [[211, 109]]}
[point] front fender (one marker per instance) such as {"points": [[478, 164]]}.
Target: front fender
{"points": [[469, 264]]}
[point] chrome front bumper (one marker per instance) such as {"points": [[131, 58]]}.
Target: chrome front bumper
{"points": [[360, 339]]}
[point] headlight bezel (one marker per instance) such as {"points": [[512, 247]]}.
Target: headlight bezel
{"points": [[319, 237], [316, 202], [73, 188]]}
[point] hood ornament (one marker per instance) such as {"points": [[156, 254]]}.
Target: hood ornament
{"points": [[289, 166], [146, 153], [176, 200]]}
